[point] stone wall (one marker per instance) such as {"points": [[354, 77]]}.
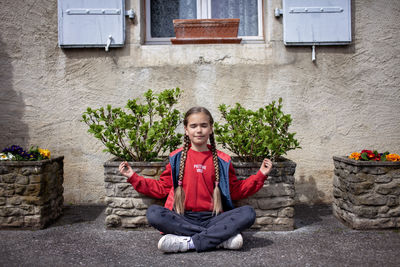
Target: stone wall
{"points": [[31, 192], [367, 194], [273, 204], [125, 206]]}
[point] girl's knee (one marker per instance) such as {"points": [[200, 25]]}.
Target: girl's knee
{"points": [[153, 214], [248, 214]]}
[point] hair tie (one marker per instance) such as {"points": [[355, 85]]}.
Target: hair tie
{"points": [[179, 182], [216, 183]]}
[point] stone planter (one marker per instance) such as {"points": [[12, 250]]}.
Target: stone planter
{"points": [[274, 202], [366, 193], [31, 193], [206, 31], [126, 208]]}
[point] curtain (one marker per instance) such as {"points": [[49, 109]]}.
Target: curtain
{"points": [[164, 11], [245, 10]]}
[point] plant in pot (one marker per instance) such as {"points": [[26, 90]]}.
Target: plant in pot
{"points": [[140, 134], [366, 190], [253, 135], [31, 187]]}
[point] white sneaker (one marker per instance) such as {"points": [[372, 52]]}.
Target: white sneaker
{"points": [[174, 243], [235, 242]]}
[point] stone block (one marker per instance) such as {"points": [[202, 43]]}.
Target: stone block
{"points": [[370, 199], [9, 178], [116, 202], [115, 178], [392, 188], [366, 211], [34, 221], [274, 203], [360, 188], [11, 221], [113, 221], [383, 178], [286, 212], [284, 221], [134, 221], [275, 190], [33, 190], [108, 211], [2, 201], [264, 220], [266, 213], [14, 201], [393, 201], [35, 179], [22, 180], [143, 202], [395, 212], [130, 212]]}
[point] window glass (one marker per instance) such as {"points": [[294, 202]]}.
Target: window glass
{"points": [[164, 11], [245, 10]]}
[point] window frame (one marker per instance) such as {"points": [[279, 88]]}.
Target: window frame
{"points": [[204, 12]]}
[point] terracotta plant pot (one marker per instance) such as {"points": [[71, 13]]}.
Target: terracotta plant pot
{"points": [[206, 31]]}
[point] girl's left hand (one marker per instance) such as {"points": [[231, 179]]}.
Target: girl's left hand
{"points": [[266, 167]]}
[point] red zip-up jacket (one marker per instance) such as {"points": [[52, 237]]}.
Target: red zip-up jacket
{"points": [[198, 183]]}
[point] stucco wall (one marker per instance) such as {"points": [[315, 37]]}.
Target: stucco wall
{"points": [[346, 101]]}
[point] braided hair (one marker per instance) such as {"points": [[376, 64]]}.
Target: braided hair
{"points": [[179, 194]]}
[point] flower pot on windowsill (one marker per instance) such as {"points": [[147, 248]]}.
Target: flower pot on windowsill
{"points": [[206, 31]]}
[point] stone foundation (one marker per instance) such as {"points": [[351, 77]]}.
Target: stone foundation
{"points": [[31, 193], [274, 202], [126, 208], [367, 194]]}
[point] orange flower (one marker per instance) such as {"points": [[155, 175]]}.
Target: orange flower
{"points": [[355, 155], [392, 157]]}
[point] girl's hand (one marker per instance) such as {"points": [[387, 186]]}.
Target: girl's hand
{"points": [[125, 169], [266, 166]]}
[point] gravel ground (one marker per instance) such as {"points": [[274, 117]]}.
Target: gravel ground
{"points": [[79, 237]]}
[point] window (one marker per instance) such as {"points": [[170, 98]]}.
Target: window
{"points": [[160, 13]]}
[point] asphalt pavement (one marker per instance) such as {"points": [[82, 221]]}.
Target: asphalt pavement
{"points": [[80, 237]]}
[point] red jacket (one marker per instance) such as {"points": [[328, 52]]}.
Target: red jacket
{"points": [[200, 188]]}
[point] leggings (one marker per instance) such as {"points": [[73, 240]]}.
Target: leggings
{"points": [[207, 231]]}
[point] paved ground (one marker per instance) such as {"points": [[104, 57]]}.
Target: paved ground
{"points": [[80, 238]]}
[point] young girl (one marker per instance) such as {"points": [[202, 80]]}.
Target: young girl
{"points": [[200, 183]]}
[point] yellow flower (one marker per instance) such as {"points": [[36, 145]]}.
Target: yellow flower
{"points": [[392, 157], [44, 152], [355, 155]]}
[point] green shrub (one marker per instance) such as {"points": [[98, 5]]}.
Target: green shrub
{"points": [[255, 135], [144, 133]]}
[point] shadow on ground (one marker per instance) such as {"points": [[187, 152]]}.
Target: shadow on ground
{"points": [[78, 214], [305, 215]]}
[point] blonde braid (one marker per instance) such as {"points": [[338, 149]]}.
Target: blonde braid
{"points": [[179, 194], [217, 202]]}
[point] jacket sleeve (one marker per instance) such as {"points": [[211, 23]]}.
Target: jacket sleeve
{"points": [[244, 188], [152, 187]]}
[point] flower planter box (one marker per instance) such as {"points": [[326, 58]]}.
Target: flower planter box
{"points": [[31, 193], [206, 31], [127, 208], [366, 193], [274, 202]]}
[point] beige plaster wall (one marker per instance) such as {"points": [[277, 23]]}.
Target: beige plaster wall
{"points": [[346, 101]]}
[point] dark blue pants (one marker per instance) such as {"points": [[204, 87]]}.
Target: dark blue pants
{"points": [[207, 231]]}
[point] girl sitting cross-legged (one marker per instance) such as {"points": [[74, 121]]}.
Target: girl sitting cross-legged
{"points": [[200, 183]]}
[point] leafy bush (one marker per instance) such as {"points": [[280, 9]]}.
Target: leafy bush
{"points": [[254, 135], [142, 134]]}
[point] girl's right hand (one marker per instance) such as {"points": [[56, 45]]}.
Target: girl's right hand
{"points": [[125, 169]]}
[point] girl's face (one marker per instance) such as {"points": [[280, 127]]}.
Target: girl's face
{"points": [[198, 129]]}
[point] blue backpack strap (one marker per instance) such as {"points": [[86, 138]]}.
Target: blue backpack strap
{"points": [[175, 162], [224, 184]]}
